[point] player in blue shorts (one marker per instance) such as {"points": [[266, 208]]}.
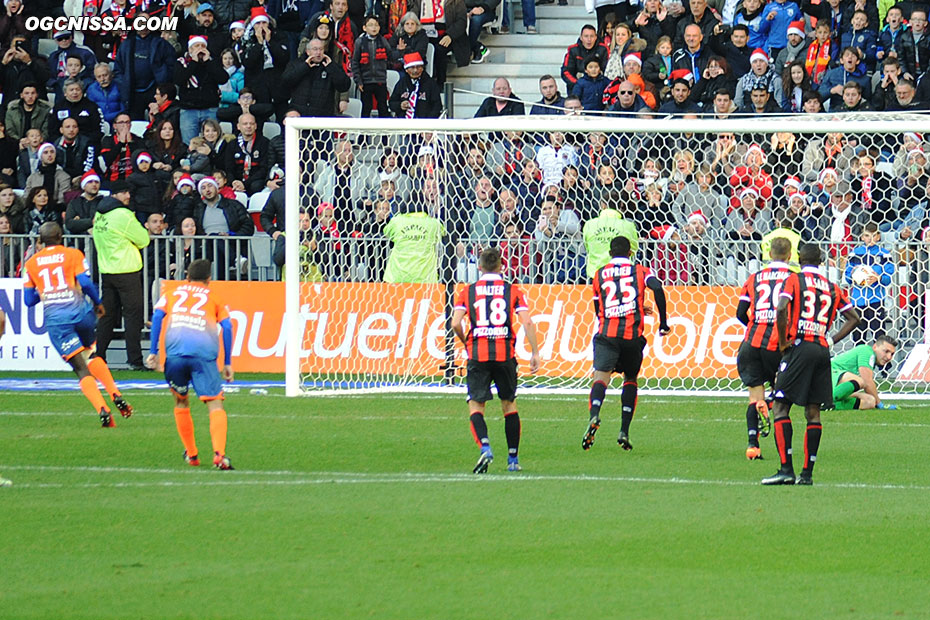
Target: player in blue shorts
{"points": [[60, 278], [191, 316]]}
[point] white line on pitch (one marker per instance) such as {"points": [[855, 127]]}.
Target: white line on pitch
{"points": [[582, 416], [315, 478]]}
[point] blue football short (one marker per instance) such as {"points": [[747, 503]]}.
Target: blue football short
{"points": [[72, 338], [181, 372]]}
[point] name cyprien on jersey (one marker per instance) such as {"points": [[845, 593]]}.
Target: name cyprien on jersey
{"points": [[101, 22]]}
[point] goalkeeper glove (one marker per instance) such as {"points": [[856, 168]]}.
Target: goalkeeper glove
{"points": [[891, 407]]}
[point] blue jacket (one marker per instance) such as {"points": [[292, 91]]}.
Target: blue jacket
{"points": [[784, 15], [758, 29], [230, 96], [142, 63], [888, 41], [107, 100], [879, 259], [865, 40], [837, 76], [87, 58], [591, 92]]}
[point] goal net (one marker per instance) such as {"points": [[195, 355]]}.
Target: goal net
{"points": [[386, 219]]}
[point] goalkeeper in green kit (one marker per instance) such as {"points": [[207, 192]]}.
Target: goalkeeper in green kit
{"points": [[854, 378], [600, 231]]}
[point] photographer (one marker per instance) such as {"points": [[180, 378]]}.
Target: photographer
{"points": [[198, 76]]}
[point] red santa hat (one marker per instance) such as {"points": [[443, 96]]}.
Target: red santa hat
{"points": [[914, 152], [798, 196], [194, 39], [143, 156], [237, 24], [758, 54], [258, 15], [323, 206], [636, 57], [794, 182], [89, 177], [914, 136], [796, 28], [825, 173], [754, 148], [207, 181], [749, 191], [698, 216], [682, 74], [413, 59], [663, 233], [43, 146], [186, 179]]}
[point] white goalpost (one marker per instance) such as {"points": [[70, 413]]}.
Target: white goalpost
{"points": [[368, 302]]}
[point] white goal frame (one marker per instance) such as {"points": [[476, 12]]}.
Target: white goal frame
{"points": [[874, 122]]}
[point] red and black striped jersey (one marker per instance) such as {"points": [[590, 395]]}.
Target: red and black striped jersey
{"points": [[761, 290], [619, 291], [490, 303], [814, 303]]}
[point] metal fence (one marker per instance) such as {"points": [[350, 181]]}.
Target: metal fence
{"points": [[526, 260]]}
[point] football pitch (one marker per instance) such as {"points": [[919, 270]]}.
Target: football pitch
{"points": [[365, 507]]}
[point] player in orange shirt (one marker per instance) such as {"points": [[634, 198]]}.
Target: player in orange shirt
{"points": [[192, 315], [60, 278]]}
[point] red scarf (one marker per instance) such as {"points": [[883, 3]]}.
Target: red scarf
{"points": [[161, 109], [818, 59]]}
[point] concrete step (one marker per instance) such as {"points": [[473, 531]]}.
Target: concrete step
{"points": [[524, 87], [531, 40], [497, 69], [552, 11]]}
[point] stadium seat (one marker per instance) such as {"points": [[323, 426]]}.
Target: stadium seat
{"points": [[138, 128], [19, 192], [257, 201], [243, 198], [51, 99], [261, 249], [271, 129], [226, 127], [47, 46], [355, 108], [393, 77], [106, 128], [494, 26]]}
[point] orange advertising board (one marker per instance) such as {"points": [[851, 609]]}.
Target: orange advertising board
{"points": [[374, 328]]}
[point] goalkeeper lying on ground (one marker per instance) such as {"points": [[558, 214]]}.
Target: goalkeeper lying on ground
{"points": [[853, 377]]}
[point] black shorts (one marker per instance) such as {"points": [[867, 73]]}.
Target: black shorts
{"points": [[481, 374], [618, 355], [804, 376], [757, 366]]}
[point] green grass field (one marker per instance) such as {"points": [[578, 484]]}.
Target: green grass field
{"points": [[364, 507]]}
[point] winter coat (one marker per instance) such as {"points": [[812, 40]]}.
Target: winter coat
{"points": [[736, 57], [142, 63], [882, 262], [15, 75], [758, 27], [576, 58], [417, 42], [429, 104], [16, 118], [865, 40], [695, 63], [229, 92], [180, 207], [591, 91], [837, 76], [79, 216], [234, 163], [237, 218], [489, 108], [915, 57], [56, 62], [889, 41], [147, 189], [778, 29], [85, 112], [199, 83], [789, 54], [313, 88], [370, 60], [62, 185], [76, 158], [109, 101], [265, 82], [745, 85]]}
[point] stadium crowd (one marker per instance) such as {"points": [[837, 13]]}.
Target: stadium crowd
{"points": [[67, 136]]}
